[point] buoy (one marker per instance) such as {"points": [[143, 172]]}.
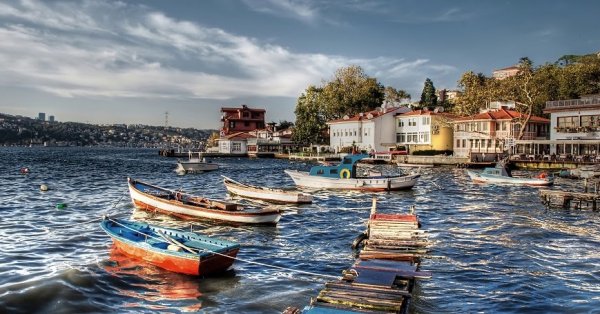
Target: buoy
{"points": [[61, 205], [24, 170], [44, 187]]}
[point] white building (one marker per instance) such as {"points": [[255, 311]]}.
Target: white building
{"points": [[236, 143], [574, 125], [425, 130], [368, 131]]}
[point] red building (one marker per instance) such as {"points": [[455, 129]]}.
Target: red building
{"points": [[242, 119]]}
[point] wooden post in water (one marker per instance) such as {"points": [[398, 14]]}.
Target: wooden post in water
{"points": [[585, 185], [374, 206]]}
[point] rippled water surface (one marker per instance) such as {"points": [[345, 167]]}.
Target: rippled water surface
{"points": [[494, 248]]}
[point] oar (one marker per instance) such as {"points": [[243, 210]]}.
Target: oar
{"points": [[175, 242]]}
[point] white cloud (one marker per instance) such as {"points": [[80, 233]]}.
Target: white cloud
{"points": [[303, 10], [108, 49]]}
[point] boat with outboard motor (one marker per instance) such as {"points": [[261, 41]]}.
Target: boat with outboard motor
{"points": [[171, 249], [501, 174], [177, 203], [195, 165], [345, 176]]}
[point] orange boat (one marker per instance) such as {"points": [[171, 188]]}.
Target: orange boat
{"points": [[171, 249]]}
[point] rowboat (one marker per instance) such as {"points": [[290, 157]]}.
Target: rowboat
{"points": [[171, 249], [156, 199], [266, 194], [194, 165], [344, 176], [501, 175]]}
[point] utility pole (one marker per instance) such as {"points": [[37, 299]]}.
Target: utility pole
{"points": [[166, 119]]}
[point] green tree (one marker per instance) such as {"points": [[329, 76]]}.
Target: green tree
{"points": [[428, 97], [395, 95], [351, 91], [310, 121], [285, 125]]}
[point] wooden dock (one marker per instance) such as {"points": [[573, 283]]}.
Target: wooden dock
{"points": [[568, 199], [382, 278]]}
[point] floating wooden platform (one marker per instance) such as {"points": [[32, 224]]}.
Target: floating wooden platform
{"points": [[567, 199], [382, 279]]}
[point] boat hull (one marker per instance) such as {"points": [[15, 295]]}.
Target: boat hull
{"points": [[142, 245], [362, 184], [271, 195], [176, 208], [196, 166], [486, 178]]}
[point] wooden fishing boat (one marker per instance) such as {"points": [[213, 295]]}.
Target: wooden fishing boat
{"points": [[266, 194], [171, 249], [501, 175], [195, 165], [156, 199], [344, 176]]}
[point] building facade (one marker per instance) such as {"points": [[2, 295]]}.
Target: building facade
{"points": [[368, 131], [501, 74], [236, 143], [242, 119], [425, 130], [485, 136], [574, 125]]}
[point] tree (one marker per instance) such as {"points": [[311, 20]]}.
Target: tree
{"points": [[351, 91], [310, 121], [393, 95], [428, 96], [285, 125]]}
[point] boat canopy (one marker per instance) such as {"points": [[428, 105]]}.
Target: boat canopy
{"points": [[345, 170]]}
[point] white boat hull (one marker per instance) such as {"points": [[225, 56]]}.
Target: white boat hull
{"points": [[191, 166], [486, 178], [272, 195], [148, 202], [379, 183]]}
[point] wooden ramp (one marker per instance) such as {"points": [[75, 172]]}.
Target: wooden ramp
{"points": [[382, 279]]}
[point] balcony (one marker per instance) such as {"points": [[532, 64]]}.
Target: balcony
{"points": [[573, 103], [577, 129]]}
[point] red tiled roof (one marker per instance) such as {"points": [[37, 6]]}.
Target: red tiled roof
{"points": [[501, 114], [358, 117], [239, 135], [225, 109]]}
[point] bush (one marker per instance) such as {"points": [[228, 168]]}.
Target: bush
{"points": [[432, 152]]}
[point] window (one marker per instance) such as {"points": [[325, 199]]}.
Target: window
{"points": [[457, 143], [426, 137], [464, 143], [354, 133], [592, 121], [484, 126], [567, 122], [401, 123], [246, 123], [320, 171], [400, 137], [425, 121], [333, 171], [236, 147], [246, 114]]}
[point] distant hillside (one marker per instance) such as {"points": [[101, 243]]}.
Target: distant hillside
{"points": [[19, 130]]}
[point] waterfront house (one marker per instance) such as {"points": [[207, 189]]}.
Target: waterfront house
{"points": [[492, 132], [270, 141], [236, 143], [368, 131], [425, 129], [242, 119], [574, 128]]}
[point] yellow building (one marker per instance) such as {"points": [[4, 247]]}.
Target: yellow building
{"points": [[425, 130]]}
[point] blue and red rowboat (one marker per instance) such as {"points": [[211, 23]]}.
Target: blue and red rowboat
{"points": [[174, 250]]}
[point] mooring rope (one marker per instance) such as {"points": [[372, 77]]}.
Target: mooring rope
{"points": [[234, 258]]}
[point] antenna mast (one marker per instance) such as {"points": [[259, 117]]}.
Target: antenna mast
{"points": [[166, 119]]}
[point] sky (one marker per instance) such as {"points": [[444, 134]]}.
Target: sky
{"points": [[103, 61]]}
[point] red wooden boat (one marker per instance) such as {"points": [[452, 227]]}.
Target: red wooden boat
{"points": [[171, 249]]}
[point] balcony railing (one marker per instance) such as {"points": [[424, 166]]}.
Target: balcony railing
{"points": [[573, 103]]}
